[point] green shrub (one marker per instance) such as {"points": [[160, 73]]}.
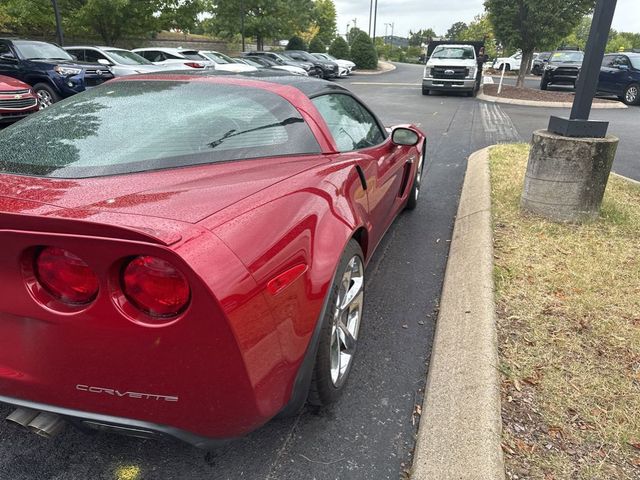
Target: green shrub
{"points": [[363, 53], [340, 49], [316, 46], [296, 43]]}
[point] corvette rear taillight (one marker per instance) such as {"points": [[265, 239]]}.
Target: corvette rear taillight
{"points": [[65, 276], [194, 65], [155, 286]]}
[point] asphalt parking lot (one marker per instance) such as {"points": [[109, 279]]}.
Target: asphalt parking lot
{"points": [[369, 433]]}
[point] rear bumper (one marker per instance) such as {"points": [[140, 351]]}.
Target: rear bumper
{"points": [[467, 84], [122, 426]]}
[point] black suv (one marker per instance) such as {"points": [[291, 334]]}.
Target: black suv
{"points": [[280, 59], [540, 62], [50, 70], [329, 69], [562, 68]]}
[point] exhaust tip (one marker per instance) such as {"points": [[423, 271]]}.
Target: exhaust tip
{"points": [[47, 424], [22, 417]]}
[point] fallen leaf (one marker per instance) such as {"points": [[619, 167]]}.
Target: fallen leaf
{"points": [[635, 443], [516, 384]]}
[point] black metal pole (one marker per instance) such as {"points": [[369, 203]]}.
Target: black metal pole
{"points": [[59, 33], [578, 124], [242, 23], [594, 52], [375, 18], [370, 13]]}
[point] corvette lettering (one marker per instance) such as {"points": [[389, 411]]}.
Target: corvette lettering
{"points": [[117, 393]]}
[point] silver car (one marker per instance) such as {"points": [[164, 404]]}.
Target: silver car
{"points": [[120, 61]]}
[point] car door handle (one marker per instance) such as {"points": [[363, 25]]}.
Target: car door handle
{"points": [[411, 159]]}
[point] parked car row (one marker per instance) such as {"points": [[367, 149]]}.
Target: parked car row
{"points": [[52, 73]]}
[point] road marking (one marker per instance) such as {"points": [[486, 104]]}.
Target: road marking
{"points": [[488, 80], [498, 126], [386, 84]]}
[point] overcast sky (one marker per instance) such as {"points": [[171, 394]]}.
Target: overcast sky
{"points": [[441, 14]]}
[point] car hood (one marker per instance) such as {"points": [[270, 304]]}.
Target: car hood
{"points": [[48, 63], [187, 194], [8, 83]]}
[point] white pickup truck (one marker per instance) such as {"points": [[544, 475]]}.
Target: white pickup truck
{"points": [[453, 66]]}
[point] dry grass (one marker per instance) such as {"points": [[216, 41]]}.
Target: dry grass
{"points": [[568, 301]]}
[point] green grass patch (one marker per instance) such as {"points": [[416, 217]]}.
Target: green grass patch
{"points": [[568, 303]]}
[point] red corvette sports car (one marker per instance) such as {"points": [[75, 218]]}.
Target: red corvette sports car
{"points": [[184, 255]]}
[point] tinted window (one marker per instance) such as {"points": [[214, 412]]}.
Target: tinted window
{"points": [[607, 61], [135, 126], [621, 60], [77, 52], [351, 125], [92, 56], [5, 50], [191, 55], [125, 57]]}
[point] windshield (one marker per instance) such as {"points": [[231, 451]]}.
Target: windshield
{"points": [[125, 57], [461, 53], [218, 57], [635, 61], [126, 126], [40, 50], [567, 57]]}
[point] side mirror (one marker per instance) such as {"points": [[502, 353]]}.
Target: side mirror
{"points": [[104, 61], [404, 136]]}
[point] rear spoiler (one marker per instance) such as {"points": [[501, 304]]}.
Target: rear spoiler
{"points": [[70, 226]]}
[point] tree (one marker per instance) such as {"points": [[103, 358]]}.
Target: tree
{"points": [[324, 16], [296, 43], [181, 14], [262, 18], [532, 24], [456, 31], [339, 48], [353, 33], [316, 45], [480, 29], [115, 19], [416, 39], [363, 53]]}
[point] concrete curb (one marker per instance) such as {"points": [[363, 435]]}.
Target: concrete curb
{"points": [[460, 429], [383, 66], [627, 179], [533, 103]]}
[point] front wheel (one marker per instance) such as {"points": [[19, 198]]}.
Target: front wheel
{"points": [[341, 325], [544, 84], [414, 193], [47, 96], [632, 94]]}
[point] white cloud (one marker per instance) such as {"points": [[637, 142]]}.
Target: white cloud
{"points": [[417, 14]]}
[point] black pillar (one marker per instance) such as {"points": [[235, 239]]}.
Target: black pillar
{"points": [[59, 33], [370, 13], [375, 17], [578, 124], [242, 23]]}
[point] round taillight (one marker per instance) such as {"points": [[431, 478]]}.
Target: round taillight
{"points": [[65, 276], [155, 286]]}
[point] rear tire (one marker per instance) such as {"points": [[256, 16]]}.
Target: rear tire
{"points": [[47, 96], [341, 324], [631, 94]]}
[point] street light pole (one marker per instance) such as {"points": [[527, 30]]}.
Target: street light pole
{"points": [[370, 13], [578, 124], [242, 23], [375, 18], [59, 33]]}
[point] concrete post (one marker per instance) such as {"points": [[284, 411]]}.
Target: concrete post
{"points": [[566, 176]]}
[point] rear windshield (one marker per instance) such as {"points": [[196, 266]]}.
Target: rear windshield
{"points": [[125, 57], [567, 57], [134, 126]]}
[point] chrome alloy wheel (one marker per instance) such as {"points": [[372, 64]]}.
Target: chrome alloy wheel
{"points": [[44, 98], [631, 94], [346, 320]]}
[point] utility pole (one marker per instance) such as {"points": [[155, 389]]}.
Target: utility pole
{"points": [[59, 33], [355, 23], [375, 18], [370, 13], [346, 33], [385, 33], [242, 23], [392, 25]]}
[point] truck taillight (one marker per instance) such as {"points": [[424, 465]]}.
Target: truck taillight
{"points": [[65, 276], [155, 287], [194, 64]]}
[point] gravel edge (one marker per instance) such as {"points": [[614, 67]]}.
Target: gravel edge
{"points": [[533, 103]]}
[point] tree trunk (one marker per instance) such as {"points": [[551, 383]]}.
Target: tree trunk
{"points": [[527, 56]]}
